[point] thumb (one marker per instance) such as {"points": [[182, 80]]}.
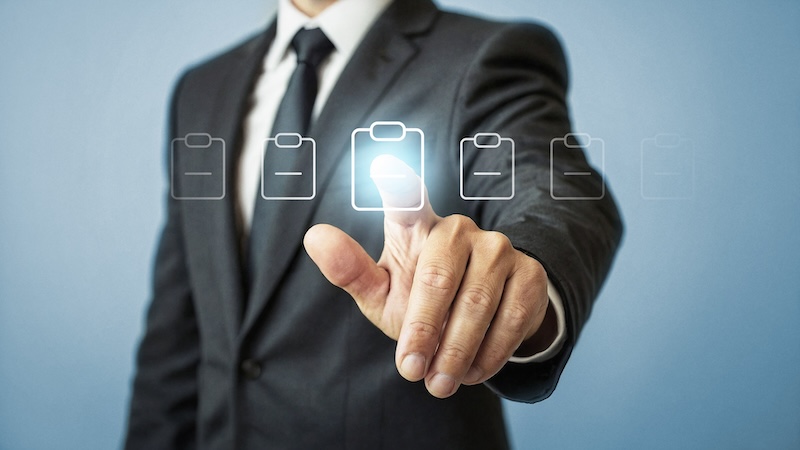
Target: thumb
{"points": [[405, 198], [348, 266]]}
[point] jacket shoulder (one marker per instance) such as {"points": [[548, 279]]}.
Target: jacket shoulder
{"points": [[465, 24], [533, 44]]}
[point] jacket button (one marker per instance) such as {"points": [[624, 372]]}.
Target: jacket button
{"points": [[250, 368]]}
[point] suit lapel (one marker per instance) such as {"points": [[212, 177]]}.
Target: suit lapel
{"points": [[376, 64], [218, 218]]}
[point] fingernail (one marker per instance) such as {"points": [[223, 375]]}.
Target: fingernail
{"points": [[442, 385], [473, 375], [413, 367]]}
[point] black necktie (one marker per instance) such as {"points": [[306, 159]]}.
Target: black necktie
{"points": [[293, 116]]}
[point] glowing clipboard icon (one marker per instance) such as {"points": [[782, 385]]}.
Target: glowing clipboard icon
{"points": [[289, 168], [384, 138], [491, 161], [560, 179], [197, 167]]}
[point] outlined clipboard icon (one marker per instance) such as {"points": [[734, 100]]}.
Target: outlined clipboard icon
{"points": [[197, 167], [667, 168], [289, 167], [488, 176], [571, 142], [384, 138]]}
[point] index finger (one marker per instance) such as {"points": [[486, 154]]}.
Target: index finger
{"points": [[405, 198]]}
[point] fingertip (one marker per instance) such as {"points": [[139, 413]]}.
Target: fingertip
{"points": [[313, 236], [340, 259], [313, 241], [393, 174], [474, 376], [412, 367], [402, 191], [441, 385], [331, 249], [398, 184]]}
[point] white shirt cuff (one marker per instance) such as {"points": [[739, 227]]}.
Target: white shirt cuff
{"points": [[555, 347]]}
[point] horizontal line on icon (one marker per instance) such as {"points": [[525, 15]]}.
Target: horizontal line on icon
{"points": [[487, 174], [193, 174], [580, 174], [292, 174]]}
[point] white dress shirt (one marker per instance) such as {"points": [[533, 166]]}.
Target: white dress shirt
{"points": [[344, 22]]}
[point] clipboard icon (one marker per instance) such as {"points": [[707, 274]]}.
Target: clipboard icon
{"points": [[384, 138], [667, 168], [289, 168], [582, 144], [491, 167], [197, 167]]}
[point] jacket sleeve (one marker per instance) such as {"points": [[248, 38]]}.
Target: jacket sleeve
{"points": [[517, 87], [164, 401]]}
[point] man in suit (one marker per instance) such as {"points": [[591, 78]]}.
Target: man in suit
{"points": [[248, 345]]}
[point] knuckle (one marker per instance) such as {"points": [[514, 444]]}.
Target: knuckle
{"points": [[496, 246], [455, 353], [493, 358], [539, 274], [461, 222], [437, 277], [419, 331], [518, 318], [478, 300], [498, 242], [533, 271]]}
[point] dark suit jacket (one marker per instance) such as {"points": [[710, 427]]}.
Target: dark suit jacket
{"points": [[292, 363]]}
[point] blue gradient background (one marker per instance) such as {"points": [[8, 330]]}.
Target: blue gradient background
{"points": [[694, 342]]}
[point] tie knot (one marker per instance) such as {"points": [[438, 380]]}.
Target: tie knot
{"points": [[311, 46]]}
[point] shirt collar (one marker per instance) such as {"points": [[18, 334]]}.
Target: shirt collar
{"points": [[345, 22]]}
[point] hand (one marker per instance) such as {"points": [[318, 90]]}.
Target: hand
{"points": [[459, 300]]}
